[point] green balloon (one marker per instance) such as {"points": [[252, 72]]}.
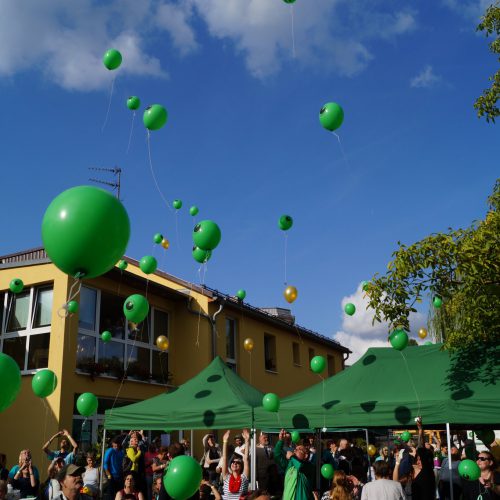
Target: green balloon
{"points": [[405, 436], [193, 211], [271, 402], [327, 471], [200, 255], [241, 294], [331, 116], [295, 436], [177, 204], [123, 264], [136, 308], [10, 375], [72, 306], [289, 1], [397, 442], [16, 285], [206, 235], [106, 336], [183, 477], [318, 364], [155, 117], [85, 230], [398, 339], [87, 404], [148, 264], [365, 285], [437, 302], [350, 309], [112, 59], [158, 238], [133, 103], [285, 222], [428, 342], [469, 470], [44, 383]]}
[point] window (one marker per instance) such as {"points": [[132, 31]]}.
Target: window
{"points": [[26, 326], [131, 352], [231, 343], [330, 360], [311, 355], [296, 353], [270, 362]]}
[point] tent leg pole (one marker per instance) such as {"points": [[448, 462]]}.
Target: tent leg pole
{"points": [[319, 453], [103, 445], [191, 443], [369, 464], [253, 460], [448, 442]]}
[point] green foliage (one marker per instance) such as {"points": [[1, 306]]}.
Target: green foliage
{"points": [[486, 104], [462, 267]]}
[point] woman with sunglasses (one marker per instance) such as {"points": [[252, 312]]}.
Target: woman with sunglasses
{"points": [[235, 477], [487, 486]]}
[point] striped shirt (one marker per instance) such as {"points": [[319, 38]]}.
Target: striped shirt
{"points": [[227, 495]]}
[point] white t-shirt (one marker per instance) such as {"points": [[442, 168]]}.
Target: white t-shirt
{"points": [[383, 489]]}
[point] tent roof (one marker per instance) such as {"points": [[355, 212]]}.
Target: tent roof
{"points": [[389, 388], [215, 398]]}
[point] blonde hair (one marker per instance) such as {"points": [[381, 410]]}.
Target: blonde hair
{"points": [[340, 487]]}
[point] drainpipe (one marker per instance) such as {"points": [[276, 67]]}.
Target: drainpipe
{"points": [[211, 320], [345, 359]]}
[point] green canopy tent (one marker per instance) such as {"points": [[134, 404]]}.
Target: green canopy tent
{"points": [[389, 388], [215, 398]]}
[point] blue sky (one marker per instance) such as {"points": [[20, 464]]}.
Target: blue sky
{"points": [[243, 141]]}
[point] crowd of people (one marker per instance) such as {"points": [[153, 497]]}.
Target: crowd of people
{"points": [[133, 469]]}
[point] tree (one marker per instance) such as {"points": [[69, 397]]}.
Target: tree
{"points": [[486, 104], [461, 267]]}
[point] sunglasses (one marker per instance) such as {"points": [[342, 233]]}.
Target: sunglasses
{"points": [[482, 459], [237, 463]]}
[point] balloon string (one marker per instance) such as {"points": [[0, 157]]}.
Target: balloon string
{"points": [[63, 312], [412, 383], [342, 150], [293, 33], [177, 230], [109, 105], [130, 134], [153, 173], [250, 352], [286, 246]]}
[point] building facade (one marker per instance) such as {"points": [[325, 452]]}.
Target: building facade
{"points": [[199, 323]]}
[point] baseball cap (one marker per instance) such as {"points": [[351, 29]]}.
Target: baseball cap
{"points": [[70, 470]]}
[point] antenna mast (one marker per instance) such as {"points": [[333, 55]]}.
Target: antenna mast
{"points": [[115, 185]]}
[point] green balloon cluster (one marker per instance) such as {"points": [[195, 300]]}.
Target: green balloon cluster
{"points": [[200, 255], [193, 210], [148, 264], [72, 307], [469, 470], [44, 383], [271, 402], [112, 59], [177, 204], [87, 404], [207, 235], [327, 471], [154, 117], [158, 238], [331, 116], [10, 375], [106, 336], [133, 103], [398, 339], [318, 364], [349, 309], [295, 436], [85, 231], [183, 477], [16, 285], [241, 294], [123, 264], [136, 308], [405, 436], [285, 222]]}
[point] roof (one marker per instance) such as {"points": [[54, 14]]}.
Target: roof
{"points": [[38, 255]]}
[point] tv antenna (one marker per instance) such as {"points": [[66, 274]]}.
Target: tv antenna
{"points": [[115, 185]]}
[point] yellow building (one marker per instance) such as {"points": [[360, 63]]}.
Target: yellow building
{"points": [[200, 323]]}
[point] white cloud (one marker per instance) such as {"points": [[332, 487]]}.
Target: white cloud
{"points": [[472, 10], [425, 79], [358, 333]]}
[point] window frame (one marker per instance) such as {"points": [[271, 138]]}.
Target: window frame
{"points": [[30, 331], [232, 362], [274, 368], [296, 354]]}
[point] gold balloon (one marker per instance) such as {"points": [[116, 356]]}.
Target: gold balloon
{"points": [[162, 343], [371, 450], [165, 243], [248, 344], [290, 294], [422, 333]]}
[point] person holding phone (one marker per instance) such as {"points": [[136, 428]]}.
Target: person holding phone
{"points": [[24, 476]]}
